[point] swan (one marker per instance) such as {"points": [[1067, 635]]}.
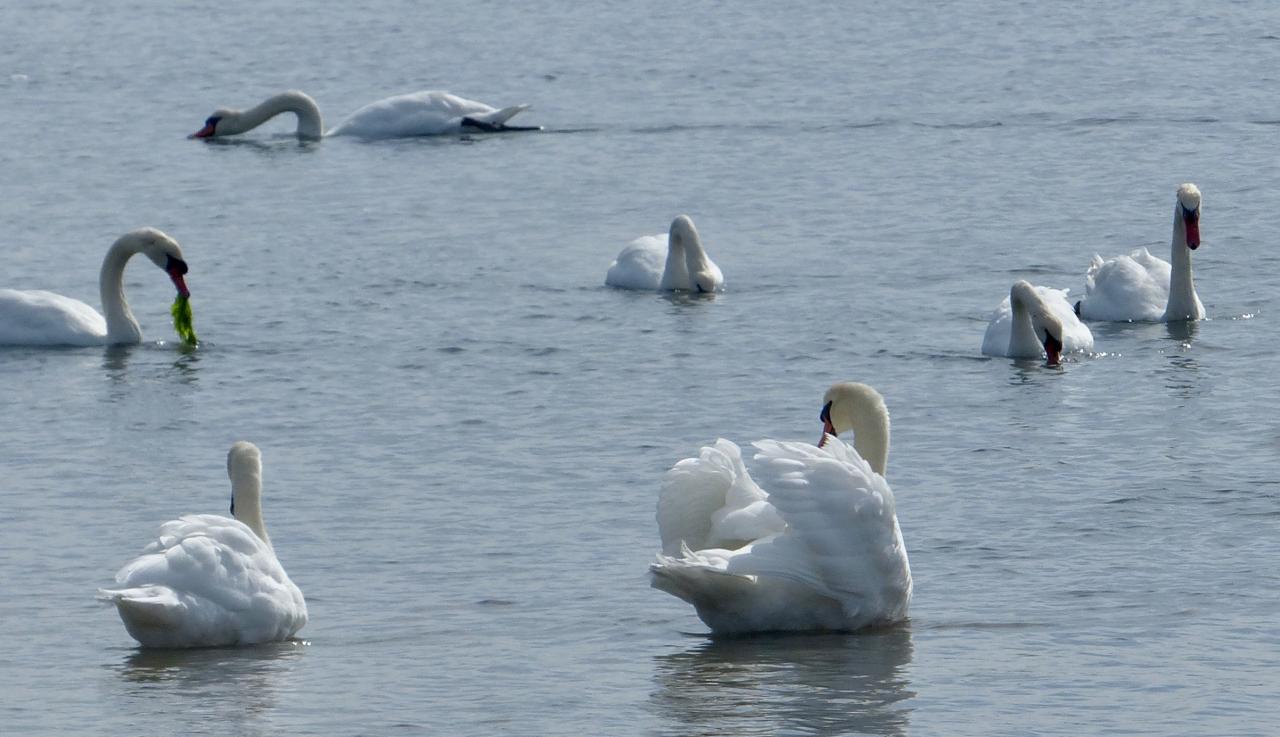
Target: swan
{"points": [[37, 317], [414, 114], [1035, 322], [829, 555], [681, 263], [211, 580], [1142, 287]]}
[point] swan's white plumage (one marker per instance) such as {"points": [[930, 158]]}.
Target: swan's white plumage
{"points": [[677, 261], [420, 114], [1141, 287], [1075, 337], [712, 502], [210, 580], [838, 563], [426, 113], [39, 317]]}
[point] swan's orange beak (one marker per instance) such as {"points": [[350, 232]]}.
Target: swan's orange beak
{"points": [[1191, 219], [176, 268], [827, 427], [204, 132], [1052, 349]]}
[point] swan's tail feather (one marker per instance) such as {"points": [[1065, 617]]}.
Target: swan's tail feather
{"points": [[496, 121], [696, 581], [147, 607]]}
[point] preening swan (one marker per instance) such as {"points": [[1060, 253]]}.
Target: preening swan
{"points": [[1035, 322], [37, 317], [210, 580], [677, 263], [1140, 286], [815, 546], [415, 114]]}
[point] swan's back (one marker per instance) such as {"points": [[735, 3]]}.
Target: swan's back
{"points": [[37, 317], [1128, 287], [208, 580], [640, 264], [424, 113]]}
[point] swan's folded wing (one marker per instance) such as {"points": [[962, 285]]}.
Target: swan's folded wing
{"points": [[696, 489], [37, 317], [842, 537]]}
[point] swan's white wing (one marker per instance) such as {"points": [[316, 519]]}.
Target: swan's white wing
{"points": [[37, 317], [426, 113], [640, 264], [207, 580], [712, 502], [842, 538], [1129, 287]]}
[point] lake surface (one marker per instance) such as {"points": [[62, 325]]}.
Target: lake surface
{"points": [[464, 431]]}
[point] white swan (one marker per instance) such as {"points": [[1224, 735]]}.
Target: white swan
{"points": [[1035, 322], [1141, 287], [830, 554], [415, 114], [678, 262], [37, 317], [210, 580]]}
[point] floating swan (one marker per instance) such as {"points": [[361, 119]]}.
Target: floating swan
{"points": [[37, 317], [210, 580], [415, 114], [679, 263], [1035, 322], [829, 554], [1142, 287]]}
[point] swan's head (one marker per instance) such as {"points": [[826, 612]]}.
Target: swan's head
{"points": [[221, 123], [685, 237], [1189, 211], [850, 406], [162, 250], [1048, 328], [244, 467]]}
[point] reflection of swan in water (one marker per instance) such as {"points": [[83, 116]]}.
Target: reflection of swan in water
{"points": [[811, 684], [241, 684]]}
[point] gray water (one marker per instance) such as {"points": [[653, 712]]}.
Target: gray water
{"points": [[464, 431]]}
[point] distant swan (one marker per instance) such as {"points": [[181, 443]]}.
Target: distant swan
{"points": [[210, 580], [415, 114], [1142, 287], [678, 262], [37, 317], [1034, 322], [819, 550]]}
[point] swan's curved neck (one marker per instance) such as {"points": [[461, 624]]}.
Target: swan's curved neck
{"points": [[310, 124], [1182, 290], [1023, 342], [246, 495], [869, 422], [121, 325], [675, 275]]}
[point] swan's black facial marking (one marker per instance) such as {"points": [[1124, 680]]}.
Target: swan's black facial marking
{"points": [[1052, 349], [1191, 223], [174, 265], [827, 427], [210, 128], [233, 506]]}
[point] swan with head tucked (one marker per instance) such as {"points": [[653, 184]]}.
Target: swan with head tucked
{"points": [[1142, 287], [37, 317], [425, 113], [1035, 322], [678, 262], [211, 580], [819, 547]]}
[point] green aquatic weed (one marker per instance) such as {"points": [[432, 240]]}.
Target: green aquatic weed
{"points": [[181, 311]]}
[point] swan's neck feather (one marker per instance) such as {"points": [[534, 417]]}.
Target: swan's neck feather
{"points": [[861, 409], [1023, 342], [1182, 290], [246, 490], [871, 439], [300, 104], [122, 327], [675, 274]]}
